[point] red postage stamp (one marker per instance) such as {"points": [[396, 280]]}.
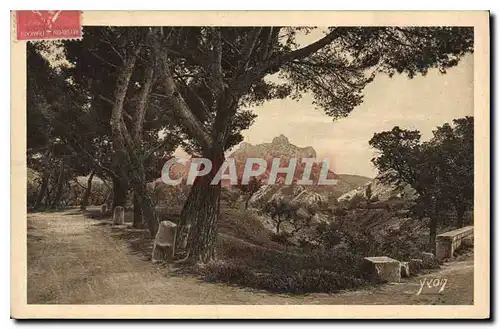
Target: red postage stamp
{"points": [[48, 24]]}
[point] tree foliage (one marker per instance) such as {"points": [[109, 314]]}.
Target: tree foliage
{"points": [[248, 190], [280, 211], [441, 170]]}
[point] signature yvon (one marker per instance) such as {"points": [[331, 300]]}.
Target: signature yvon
{"points": [[430, 285]]}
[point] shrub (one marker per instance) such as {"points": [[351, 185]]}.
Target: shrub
{"points": [[230, 195], [307, 245], [430, 264], [368, 192], [355, 201], [225, 272], [274, 270], [280, 211], [298, 282], [401, 244], [328, 235], [339, 212], [282, 238]]}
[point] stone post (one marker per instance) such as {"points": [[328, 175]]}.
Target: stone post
{"points": [[119, 216], [164, 245]]}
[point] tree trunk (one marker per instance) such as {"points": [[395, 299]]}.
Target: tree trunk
{"points": [[45, 181], [138, 221], [202, 238], [137, 176], [120, 189], [134, 167], [188, 212], [460, 215], [201, 211], [59, 187], [48, 195], [146, 206], [432, 230], [43, 190], [86, 196]]}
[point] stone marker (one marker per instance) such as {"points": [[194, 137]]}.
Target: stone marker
{"points": [[405, 269], [164, 245], [104, 208], [429, 261], [382, 269], [119, 216], [415, 266]]}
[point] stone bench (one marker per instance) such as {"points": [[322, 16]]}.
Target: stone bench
{"points": [[448, 242], [382, 268]]}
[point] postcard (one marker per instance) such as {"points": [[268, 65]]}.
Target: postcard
{"points": [[256, 165]]}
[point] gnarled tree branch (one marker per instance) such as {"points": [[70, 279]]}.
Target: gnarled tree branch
{"points": [[192, 124], [143, 101]]}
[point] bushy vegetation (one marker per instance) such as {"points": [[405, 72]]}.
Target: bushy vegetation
{"points": [[440, 170], [328, 261], [302, 281], [71, 195], [401, 243], [283, 271]]}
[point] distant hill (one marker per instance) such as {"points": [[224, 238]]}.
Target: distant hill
{"points": [[355, 180]]}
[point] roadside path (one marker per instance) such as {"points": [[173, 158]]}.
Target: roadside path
{"points": [[73, 260]]}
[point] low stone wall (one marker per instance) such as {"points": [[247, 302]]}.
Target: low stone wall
{"points": [[448, 242]]}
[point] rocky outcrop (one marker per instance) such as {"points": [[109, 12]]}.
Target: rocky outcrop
{"points": [[280, 146], [380, 191]]}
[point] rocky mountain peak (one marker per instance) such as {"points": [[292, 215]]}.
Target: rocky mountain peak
{"points": [[281, 140], [279, 147]]}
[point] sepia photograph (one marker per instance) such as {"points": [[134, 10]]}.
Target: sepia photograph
{"points": [[164, 160]]}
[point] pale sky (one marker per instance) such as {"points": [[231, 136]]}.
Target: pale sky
{"points": [[420, 103]]}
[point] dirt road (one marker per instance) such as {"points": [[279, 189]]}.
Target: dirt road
{"points": [[73, 260]]}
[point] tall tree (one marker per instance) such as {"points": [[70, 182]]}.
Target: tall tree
{"points": [[403, 160], [440, 170], [248, 190], [234, 62], [53, 119], [118, 73], [455, 143]]}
